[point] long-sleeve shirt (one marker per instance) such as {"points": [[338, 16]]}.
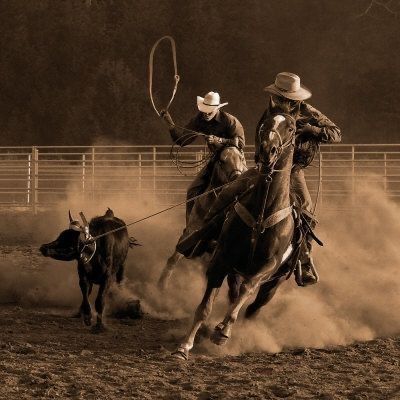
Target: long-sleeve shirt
{"points": [[330, 133], [223, 125], [305, 149]]}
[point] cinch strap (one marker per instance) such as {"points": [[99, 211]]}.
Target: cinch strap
{"points": [[272, 220]]}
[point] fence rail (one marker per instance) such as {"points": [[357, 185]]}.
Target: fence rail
{"points": [[41, 176]]}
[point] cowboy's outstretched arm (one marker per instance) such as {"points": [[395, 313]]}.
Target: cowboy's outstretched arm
{"points": [[180, 136], [318, 125]]}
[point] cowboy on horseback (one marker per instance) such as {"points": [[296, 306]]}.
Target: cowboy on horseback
{"points": [[221, 130], [312, 129]]}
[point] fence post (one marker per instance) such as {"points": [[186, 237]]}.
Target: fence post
{"points": [[93, 170], [28, 183], [35, 160], [154, 173], [320, 178], [385, 173], [83, 174], [140, 174], [353, 175]]}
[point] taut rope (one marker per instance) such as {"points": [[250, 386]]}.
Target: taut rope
{"points": [[94, 238]]}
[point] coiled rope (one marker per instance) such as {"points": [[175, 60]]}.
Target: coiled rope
{"points": [[189, 133]]}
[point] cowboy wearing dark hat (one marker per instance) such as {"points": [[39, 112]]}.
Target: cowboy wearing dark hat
{"points": [[222, 129], [313, 128]]}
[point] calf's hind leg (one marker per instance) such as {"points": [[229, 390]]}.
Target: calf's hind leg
{"points": [[99, 304]]}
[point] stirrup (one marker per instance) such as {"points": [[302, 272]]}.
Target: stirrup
{"points": [[299, 273]]}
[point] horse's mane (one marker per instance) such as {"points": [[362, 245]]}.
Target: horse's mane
{"points": [[285, 107]]}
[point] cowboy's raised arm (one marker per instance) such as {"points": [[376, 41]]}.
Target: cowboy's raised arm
{"points": [[317, 124], [180, 136]]}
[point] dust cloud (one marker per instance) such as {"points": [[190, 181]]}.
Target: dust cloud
{"points": [[358, 297]]}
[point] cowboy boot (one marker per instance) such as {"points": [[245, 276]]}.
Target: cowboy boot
{"points": [[308, 274]]}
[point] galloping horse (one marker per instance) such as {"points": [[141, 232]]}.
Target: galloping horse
{"points": [[255, 240], [230, 164]]}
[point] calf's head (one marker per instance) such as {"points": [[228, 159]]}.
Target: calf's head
{"points": [[67, 246]]}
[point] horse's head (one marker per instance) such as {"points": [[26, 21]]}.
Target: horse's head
{"points": [[231, 164], [275, 133]]}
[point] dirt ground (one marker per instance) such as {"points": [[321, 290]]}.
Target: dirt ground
{"points": [[331, 341], [45, 353]]}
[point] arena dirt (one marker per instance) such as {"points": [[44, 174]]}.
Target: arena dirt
{"points": [[336, 340]]}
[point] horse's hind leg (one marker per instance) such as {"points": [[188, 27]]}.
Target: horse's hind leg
{"points": [[264, 295], [168, 269]]}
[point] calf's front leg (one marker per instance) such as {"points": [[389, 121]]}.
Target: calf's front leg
{"points": [[85, 306]]}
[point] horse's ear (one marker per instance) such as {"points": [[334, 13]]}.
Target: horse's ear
{"points": [[272, 104]]}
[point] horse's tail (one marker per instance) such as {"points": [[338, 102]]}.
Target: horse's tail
{"points": [[133, 242]]}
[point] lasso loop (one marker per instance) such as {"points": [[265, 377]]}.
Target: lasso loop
{"points": [[189, 134], [151, 65]]}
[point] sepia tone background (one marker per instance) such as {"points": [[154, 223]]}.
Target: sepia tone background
{"points": [[76, 72]]}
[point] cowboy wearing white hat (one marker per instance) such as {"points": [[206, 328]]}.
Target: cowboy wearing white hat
{"points": [[313, 128], [221, 129]]}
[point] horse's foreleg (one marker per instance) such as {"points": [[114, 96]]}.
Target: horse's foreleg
{"points": [[265, 294], [202, 312], [222, 331], [168, 269]]}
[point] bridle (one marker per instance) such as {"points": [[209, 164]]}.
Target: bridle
{"points": [[282, 145], [235, 171]]}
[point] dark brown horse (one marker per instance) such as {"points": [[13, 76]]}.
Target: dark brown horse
{"points": [[230, 164], [256, 236]]}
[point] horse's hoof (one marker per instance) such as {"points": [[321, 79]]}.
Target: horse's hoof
{"points": [[87, 319], [98, 328], [181, 354], [218, 337]]}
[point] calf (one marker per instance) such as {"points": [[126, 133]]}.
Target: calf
{"points": [[100, 262]]}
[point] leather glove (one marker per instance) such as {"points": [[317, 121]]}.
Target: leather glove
{"points": [[215, 140], [309, 130]]}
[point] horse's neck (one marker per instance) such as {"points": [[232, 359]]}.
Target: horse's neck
{"points": [[278, 190]]}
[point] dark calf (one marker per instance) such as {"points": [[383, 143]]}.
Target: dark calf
{"points": [[100, 263]]}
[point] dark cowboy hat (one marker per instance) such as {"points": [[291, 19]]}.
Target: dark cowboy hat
{"points": [[288, 85]]}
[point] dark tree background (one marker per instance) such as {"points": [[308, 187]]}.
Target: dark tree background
{"points": [[76, 72]]}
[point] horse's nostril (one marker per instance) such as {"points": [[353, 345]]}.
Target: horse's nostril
{"points": [[43, 250]]}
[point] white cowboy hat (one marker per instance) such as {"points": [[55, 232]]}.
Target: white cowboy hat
{"points": [[209, 102], [288, 85]]}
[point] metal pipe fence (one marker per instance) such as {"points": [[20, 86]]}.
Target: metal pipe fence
{"points": [[41, 176]]}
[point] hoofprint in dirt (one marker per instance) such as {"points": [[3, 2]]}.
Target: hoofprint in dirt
{"points": [[44, 353]]}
